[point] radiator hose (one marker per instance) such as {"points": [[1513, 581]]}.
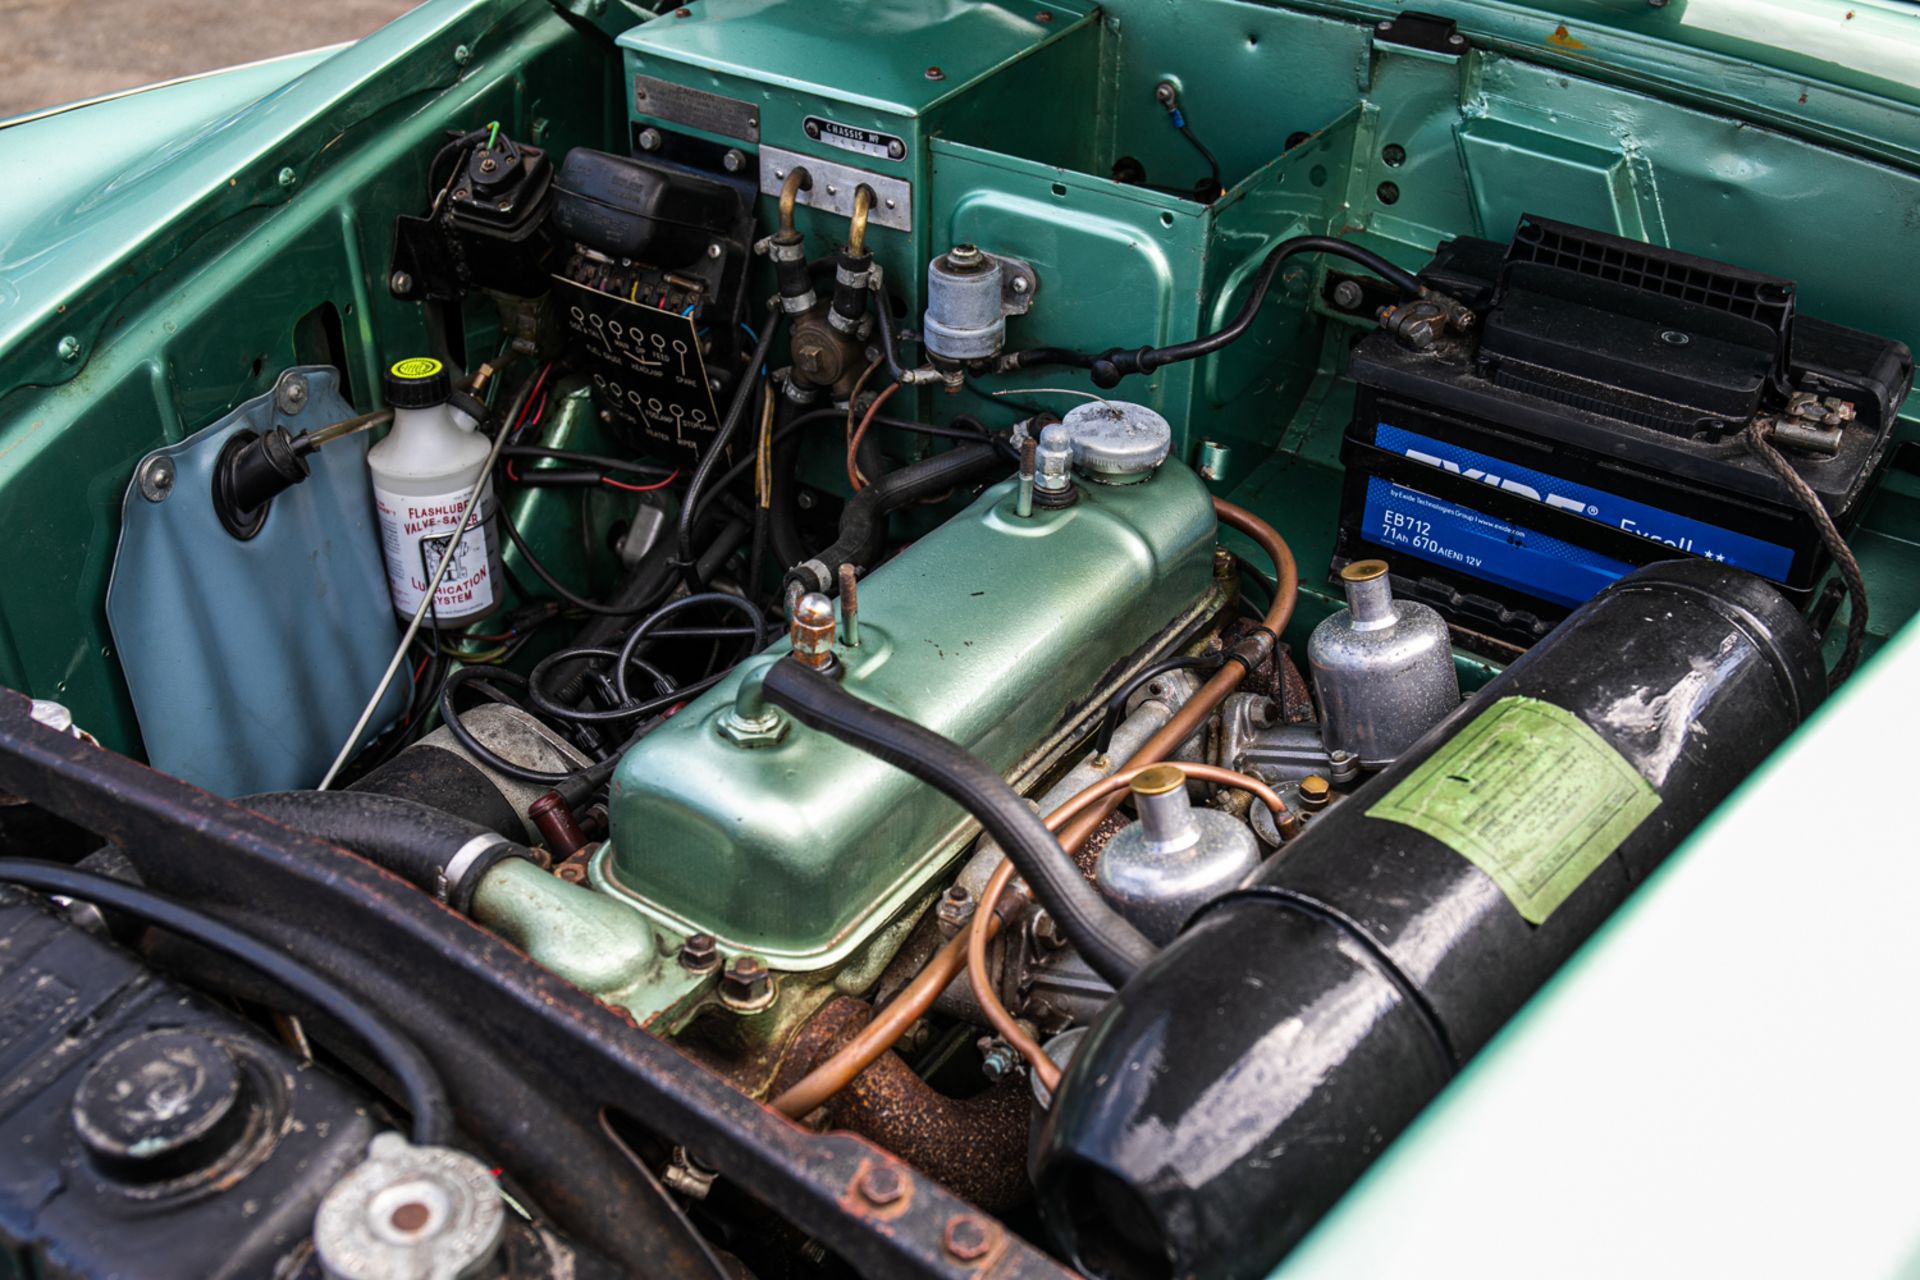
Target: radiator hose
{"points": [[441, 853]]}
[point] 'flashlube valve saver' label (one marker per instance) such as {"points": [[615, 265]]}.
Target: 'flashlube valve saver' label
{"points": [[415, 532]]}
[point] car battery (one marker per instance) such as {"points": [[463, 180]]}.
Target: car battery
{"points": [[1593, 417]]}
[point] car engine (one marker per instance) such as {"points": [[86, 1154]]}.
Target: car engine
{"points": [[1035, 687]]}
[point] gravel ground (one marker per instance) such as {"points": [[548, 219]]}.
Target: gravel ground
{"points": [[54, 51]]}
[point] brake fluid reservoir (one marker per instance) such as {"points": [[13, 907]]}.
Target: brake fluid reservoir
{"points": [[422, 473]]}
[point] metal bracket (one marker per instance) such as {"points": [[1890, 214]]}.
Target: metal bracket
{"points": [[832, 186], [1425, 32]]}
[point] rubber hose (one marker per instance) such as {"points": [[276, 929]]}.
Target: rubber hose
{"points": [[863, 522], [1110, 945], [416, 842]]}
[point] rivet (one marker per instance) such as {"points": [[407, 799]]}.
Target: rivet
{"points": [[935, 73]]}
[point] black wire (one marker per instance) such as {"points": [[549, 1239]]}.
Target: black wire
{"points": [[756, 620], [604, 463], [426, 1096], [1117, 704], [1110, 366], [464, 736], [752, 377], [554, 584]]}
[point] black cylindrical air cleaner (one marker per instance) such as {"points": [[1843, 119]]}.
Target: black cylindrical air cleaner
{"points": [[1240, 1084]]}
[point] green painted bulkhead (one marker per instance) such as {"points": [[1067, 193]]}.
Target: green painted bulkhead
{"points": [[995, 631]]}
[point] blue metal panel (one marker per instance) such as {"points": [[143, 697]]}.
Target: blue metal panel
{"points": [[249, 661]]}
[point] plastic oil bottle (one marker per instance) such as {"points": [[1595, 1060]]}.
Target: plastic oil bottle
{"points": [[422, 473]]}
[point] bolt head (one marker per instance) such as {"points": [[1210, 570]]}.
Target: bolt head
{"points": [[882, 1184], [734, 160], [462, 55], [699, 954], [935, 73], [488, 165], [650, 139], [287, 177], [746, 986], [400, 284], [1348, 294], [968, 1238], [69, 348], [896, 150], [291, 394], [1020, 284], [811, 128]]}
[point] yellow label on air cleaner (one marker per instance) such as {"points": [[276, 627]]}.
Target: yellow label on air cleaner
{"points": [[1529, 794], [416, 368]]}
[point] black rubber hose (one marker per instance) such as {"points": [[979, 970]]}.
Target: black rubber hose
{"points": [[863, 521], [750, 379], [443, 854], [420, 1085], [1109, 367], [1111, 946]]}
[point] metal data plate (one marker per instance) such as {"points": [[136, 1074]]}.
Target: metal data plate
{"points": [[833, 186], [248, 662], [672, 103], [647, 367]]}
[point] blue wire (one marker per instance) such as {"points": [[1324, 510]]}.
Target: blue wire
{"points": [[688, 311], [750, 332]]}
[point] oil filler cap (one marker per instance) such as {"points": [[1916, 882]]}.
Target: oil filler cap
{"points": [[161, 1107], [1117, 443], [418, 382]]}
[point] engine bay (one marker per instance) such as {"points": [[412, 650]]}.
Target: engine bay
{"points": [[995, 580]]}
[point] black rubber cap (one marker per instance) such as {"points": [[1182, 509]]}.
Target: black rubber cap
{"points": [[418, 382], [161, 1106]]}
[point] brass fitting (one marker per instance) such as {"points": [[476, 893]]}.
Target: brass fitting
{"points": [[798, 180], [862, 205]]}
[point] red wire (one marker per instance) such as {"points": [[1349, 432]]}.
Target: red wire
{"points": [[640, 488], [539, 385]]}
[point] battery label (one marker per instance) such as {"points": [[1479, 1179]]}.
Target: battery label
{"points": [[1497, 551]]}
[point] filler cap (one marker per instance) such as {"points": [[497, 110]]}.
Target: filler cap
{"points": [[1118, 443], [418, 382]]}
